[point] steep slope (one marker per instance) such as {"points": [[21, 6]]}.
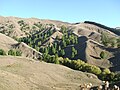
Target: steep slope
{"points": [[28, 51], [92, 31], [7, 43], [89, 51], [21, 73]]}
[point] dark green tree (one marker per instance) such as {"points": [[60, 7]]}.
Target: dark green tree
{"points": [[18, 53], [53, 50], [62, 52], [46, 50], [56, 59], [103, 55], [59, 47], [74, 52], [2, 52], [12, 52], [63, 29], [73, 55]]}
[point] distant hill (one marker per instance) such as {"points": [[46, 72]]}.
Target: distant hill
{"points": [[114, 30]]}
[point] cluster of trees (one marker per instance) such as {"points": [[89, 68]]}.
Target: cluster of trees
{"points": [[74, 64], [103, 74], [69, 39], [36, 40], [11, 52], [23, 25], [14, 52], [58, 47], [110, 41], [6, 28], [63, 29], [107, 75], [55, 49], [51, 58], [81, 65], [39, 25]]}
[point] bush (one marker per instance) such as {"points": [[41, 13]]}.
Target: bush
{"points": [[2, 52]]}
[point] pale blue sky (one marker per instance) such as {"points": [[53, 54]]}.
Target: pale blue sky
{"points": [[102, 11]]}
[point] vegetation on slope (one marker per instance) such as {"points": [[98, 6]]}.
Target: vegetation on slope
{"points": [[11, 52], [54, 50], [110, 41], [2, 52], [38, 34]]}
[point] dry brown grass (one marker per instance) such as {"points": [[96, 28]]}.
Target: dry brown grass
{"points": [[18, 73]]}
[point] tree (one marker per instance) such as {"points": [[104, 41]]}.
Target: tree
{"points": [[37, 48], [55, 45], [53, 50], [62, 52], [63, 44], [56, 59], [103, 55], [76, 40], [39, 43], [59, 47], [74, 52], [104, 39], [2, 52], [42, 49], [18, 53], [12, 52], [63, 29], [67, 41], [73, 55], [46, 50]]}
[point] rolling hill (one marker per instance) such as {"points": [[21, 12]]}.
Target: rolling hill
{"points": [[21, 73], [93, 45]]}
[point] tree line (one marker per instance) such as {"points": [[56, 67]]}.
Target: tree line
{"points": [[11, 52]]}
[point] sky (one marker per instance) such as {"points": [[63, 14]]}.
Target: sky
{"points": [[106, 12]]}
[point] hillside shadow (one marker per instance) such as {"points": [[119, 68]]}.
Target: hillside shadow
{"points": [[95, 57], [115, 61], [81, 48]]}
